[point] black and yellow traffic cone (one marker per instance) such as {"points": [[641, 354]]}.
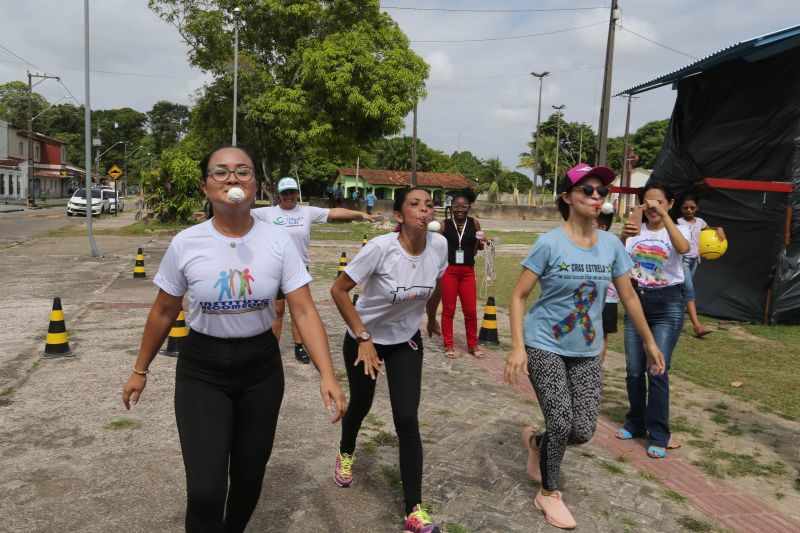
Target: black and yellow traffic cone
{"points": [[488, 332], [342, 264], [177, 335], [57, 343], [138, 266], [364, 241]]}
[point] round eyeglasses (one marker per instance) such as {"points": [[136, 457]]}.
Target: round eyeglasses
{"points": [[221, 174]]}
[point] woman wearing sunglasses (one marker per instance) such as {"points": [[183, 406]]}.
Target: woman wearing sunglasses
{"points": [[229, 377], [657, 248], [558, 342]]}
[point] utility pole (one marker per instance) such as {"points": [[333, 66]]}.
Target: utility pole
{"points": [[605, 104], [558, 109], [625, 174], [580, 144], [31, 173], [414, 150], [532, 194], [237, 12], [87, 131]]}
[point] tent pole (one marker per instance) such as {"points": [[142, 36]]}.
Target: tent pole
{"points": [[787, 234]]}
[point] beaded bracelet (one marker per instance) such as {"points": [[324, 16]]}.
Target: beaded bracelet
{"points": [[140, 372]]}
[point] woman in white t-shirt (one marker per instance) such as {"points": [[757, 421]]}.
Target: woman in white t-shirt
{"points": [[559, 340], [400, 276], [688, 206], [297, 220], [657, 248], [229, 377]]}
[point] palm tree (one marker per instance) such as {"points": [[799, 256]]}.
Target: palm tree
{"points": [[492, 173]]}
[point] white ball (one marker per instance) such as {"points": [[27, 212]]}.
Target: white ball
{"points": [[434, 225], [607, 208], [235, 194]]}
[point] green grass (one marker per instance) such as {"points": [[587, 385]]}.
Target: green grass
{"points": [[8, 391], [733, 431], [391, 476], [768, 365], [647, 475], [373, 420], [720, 463], [680, 424], [611, 468], [676, 497], [453, 527], [122, 423], [779, 496], [628, 521], [692, 524], [445, 413], [721, 419], [131, 230]]}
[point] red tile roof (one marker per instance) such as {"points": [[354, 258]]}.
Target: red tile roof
{"points": [[445, 180]]}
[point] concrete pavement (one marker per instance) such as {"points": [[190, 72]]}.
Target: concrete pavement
{"points": [[71, 458]]}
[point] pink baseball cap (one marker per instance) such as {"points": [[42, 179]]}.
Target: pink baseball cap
{"points": [[582, 170]]}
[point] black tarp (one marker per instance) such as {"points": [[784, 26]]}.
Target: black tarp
{"points": [[741, 120]]}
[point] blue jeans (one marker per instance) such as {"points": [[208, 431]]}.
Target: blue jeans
{"points": [[648, 395], [689, 268]]}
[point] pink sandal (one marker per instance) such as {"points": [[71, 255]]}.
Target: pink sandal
{"points": [[554, 510], [532, 466]]}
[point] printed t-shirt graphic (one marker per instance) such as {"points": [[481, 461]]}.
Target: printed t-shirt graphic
{"points": [[296, 222], [232, 282], [567, 316], [395, 285], [655, 263]]}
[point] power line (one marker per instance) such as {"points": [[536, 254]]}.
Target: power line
{"points": [[657, 43], [511, 36], [112, 72], [22, 59], [522, 75], [493, 10]]}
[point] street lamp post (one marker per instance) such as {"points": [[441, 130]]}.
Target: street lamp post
{"points": [[532, 195], [237, 13], [31, 173], [558, 109]]}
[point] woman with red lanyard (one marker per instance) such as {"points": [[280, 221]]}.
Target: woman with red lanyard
{"points": [[464, 239]]}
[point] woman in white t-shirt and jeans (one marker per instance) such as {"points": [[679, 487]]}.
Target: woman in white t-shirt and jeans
{"points": [[657, 248], [559, 340], [229, 377], [400, 275]]}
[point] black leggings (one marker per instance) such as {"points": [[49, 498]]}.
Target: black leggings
{"points": [[228, 394], [568, 390], [403, 367]]}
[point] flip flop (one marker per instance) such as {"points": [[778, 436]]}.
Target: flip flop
{"points": [[656, 452], [450, 353], [623, 434], [477, 353]]}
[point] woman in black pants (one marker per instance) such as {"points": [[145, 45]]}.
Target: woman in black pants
{"points": [[229, 377], [400, 275]]}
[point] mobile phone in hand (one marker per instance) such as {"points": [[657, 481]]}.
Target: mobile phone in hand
{"points": [[636, 216]]}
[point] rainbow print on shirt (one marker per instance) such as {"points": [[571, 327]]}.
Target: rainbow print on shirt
{"points": [[649, 258], [234, 287]]}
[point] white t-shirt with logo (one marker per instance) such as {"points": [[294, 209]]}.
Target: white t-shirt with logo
{"points": [[655, 262], [232, 282], [694, 234], [395, 285], [297, 222]]}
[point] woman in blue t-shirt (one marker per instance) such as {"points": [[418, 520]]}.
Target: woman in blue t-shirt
{"points": [[562, 335]]}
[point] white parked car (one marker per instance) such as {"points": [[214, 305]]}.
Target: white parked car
{"points": [[114, 199], [77, 204]]}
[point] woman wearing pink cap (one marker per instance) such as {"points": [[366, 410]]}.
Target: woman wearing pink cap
{"points": [[558, 341]]}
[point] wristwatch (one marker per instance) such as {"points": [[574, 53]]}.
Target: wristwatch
{"points": [[363, 336]]}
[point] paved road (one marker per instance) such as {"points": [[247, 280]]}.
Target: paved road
{"points": [[17, 226]]}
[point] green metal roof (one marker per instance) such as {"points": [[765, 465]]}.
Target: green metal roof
{"points": [[750, 51]]}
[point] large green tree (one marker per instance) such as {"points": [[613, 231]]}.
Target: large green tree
{"points": [[647, 142], [168, 123], [14, 103], [335, 74]]}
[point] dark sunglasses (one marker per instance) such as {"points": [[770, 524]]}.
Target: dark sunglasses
{"points": [[588, 190]]}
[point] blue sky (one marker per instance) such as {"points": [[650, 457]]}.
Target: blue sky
{"points": [[481, 96]]}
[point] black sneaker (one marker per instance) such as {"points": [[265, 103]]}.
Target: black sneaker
{"points": [[300, 354]]}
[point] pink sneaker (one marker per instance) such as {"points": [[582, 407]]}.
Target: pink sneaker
{"points": [[419, 522], [343, 471], [528, 441], [554, 510]]}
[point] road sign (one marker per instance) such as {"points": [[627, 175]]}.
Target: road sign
{"points": [[114, 172]]}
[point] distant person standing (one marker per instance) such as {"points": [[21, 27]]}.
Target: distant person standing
{"points": [[339, 196], [371, 199], [356, 197], [297, 221], [448, 206], [329, 194], [689, 206]]}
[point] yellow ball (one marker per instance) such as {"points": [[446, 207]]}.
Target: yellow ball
{"points": [[711, 247]]}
